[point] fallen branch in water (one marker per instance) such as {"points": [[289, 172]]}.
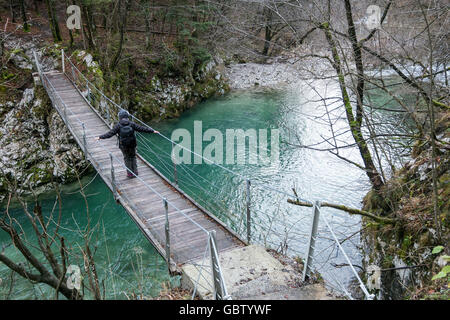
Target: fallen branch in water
{"points": [[346, 209]]}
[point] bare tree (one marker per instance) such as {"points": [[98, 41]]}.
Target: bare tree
{"points": [[46, 256], [124, 8]]}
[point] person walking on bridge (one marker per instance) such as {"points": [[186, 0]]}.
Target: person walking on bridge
{"points": [[125, 129]]}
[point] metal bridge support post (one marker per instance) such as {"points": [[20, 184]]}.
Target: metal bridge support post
{"points": [[175, 174], [88, 92], [84, 140], [166, 209], [312, 240], [62, 63], [248, 212], [219, 288], [113, 178], [108, 116]]}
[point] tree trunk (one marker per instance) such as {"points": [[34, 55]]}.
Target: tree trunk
{"points": [[87, 28], [267, 39], [122, 27], [147, 26], [26, 27], [36, 6], [268, 31], [44, 276], [349, 210], [1, 49], [11, 8], [355, 123], [70, 31], [54, 26]]}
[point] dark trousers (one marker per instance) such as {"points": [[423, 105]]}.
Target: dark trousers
{"points": [[129, 157]]}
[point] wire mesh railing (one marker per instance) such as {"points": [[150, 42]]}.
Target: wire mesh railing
{"points": [[255, 211]]}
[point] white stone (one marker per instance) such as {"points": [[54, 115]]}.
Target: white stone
{"points": [[373, 277]]}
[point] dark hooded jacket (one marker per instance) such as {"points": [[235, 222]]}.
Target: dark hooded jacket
{"points": [[125, 122]]}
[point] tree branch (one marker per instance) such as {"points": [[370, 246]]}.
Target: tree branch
{"points": [[349, 210], [372, 33]]}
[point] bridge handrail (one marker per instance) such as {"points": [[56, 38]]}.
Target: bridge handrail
{"points": [[361, 284]]}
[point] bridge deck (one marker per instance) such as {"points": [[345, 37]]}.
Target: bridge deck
{"points": [[187, 241]]}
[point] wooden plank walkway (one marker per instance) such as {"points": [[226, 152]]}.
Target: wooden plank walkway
{"points": [[187, 240]]}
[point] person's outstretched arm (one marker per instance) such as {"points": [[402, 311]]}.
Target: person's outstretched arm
{"points": [[139, 128], [110, 133]]}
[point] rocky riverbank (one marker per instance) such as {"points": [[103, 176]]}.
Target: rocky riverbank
{"points": [[277, 72], [167, 97], [250, 75]]}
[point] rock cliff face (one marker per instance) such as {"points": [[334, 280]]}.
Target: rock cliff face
{"points": [[249, 75], [36, 149], [35, 146], [162, 98]]}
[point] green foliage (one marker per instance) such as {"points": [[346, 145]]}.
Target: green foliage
{"points": [[188, 44], [437, 249], [7, 75], [442, 274], [445, 272], [171, 64]]}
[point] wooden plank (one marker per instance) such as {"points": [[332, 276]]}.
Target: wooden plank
{"points": [[148, 214], [152, 201], [148, 197], [70, 99], [100, 147], [179, 225], [199, 238], [80, 105], [144, 176], [149, 179], [155, 219], [180, 204], [73, 117], [180, 220]]}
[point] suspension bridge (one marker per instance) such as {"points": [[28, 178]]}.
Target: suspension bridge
{"points": [[183, 230]]}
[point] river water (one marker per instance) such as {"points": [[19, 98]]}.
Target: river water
{"points": [[128, 263]]}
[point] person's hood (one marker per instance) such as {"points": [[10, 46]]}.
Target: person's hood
{"points": [[123, 114]]}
